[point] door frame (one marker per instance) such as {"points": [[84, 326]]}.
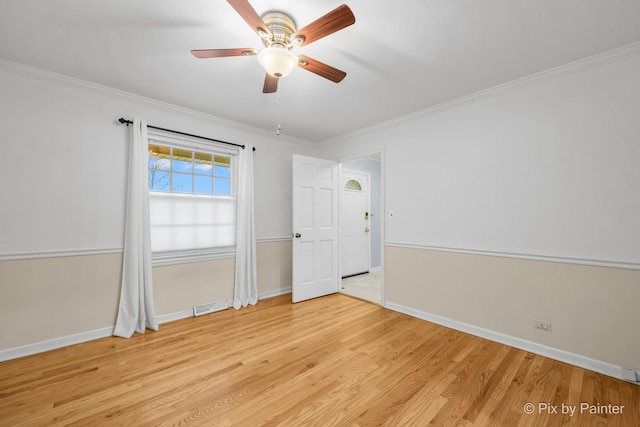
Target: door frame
{"points": [[383, 210]]}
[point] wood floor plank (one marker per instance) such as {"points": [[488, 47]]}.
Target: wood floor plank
{"points": [[331, 361]]}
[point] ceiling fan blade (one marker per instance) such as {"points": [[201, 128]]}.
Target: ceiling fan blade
{"points": [[251, 17], [270, 84], [337, 19], [321, 69], [219, 53]]}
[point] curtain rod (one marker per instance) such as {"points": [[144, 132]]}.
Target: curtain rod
{"points": [[129, 122]]}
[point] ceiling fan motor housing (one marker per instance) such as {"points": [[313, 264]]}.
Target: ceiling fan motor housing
{"points": [[281, 27]]}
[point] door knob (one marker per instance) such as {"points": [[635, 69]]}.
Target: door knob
{"points": [[366, 230], [298, 235]]}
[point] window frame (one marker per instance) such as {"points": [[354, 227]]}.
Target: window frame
{"points": [[158, 137]]}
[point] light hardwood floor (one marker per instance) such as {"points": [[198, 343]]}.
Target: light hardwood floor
{"points": [[330, 361]]}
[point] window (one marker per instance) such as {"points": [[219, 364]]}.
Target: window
{"points": [[353, 185], [176, 170], [192, 200]]}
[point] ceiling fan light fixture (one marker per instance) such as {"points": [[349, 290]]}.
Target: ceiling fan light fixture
{"points": [[278, 61]]}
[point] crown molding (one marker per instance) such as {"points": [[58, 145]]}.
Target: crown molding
{"points": [[77, 83], [591, 62], [585, 64]]}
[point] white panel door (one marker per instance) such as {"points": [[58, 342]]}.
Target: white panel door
{"points": [[315, 227], [355, 244]]}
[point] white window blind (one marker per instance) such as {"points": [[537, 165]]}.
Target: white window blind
{"points": [[187, 222]]}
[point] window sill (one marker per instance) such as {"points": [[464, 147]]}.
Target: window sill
{"points": [[160, 259]]}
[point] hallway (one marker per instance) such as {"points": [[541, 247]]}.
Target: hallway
{"points": [[365, 286]]}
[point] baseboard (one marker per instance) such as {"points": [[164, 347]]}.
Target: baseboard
{"points": [[588, 363], [275, 293], [543, 350], [171, 317], [55, 343], [52, 344]]}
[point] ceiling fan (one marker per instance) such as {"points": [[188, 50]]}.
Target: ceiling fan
{"points": [[279, 35]]}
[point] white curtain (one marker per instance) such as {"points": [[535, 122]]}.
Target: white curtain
{"points": [[246, 284], [136, 311]]}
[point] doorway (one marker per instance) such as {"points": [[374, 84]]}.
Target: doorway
{"points": [[355, 201], [361, 228]]}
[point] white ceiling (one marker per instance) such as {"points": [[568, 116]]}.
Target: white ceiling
{"points": [[400, 56]]}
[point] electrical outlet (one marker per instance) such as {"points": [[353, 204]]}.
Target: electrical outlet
{"points": [[630, 375], [542, 325]]}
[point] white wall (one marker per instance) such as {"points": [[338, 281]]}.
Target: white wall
{"points": [[65, 157], [548, 170], [63, 174]]}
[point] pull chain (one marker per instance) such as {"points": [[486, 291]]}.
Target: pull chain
{"points": [[279, 127]]}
